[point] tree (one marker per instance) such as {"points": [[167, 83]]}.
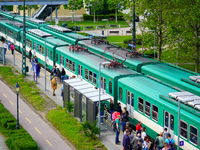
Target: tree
{"points": [[157, 20], [95, 5], [74, 5], [185, 29], [116, 5]]}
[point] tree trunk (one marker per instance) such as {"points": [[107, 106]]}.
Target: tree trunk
{"points": [[94, 15], [160, 45], [116, 14], [197, 59], [72, 17]]}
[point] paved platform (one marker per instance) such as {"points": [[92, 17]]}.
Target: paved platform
{"points": [[107, 137], [2, 143]]}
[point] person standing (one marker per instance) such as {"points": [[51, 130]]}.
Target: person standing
{"points": [[126, 141], [143, 133], [139, 127], [111, 108], [9, 44], [5, 47], [138, 146], [131, 135], [12, 48], [54, 85], [160, 141], [145, 143], [38, 70], [165, 146], [62, 75], [58, 74], [169, 141], [30, 55], [32, 64], [124, 118], [165, 133], [54, 71], [117, 130], [134, 142], [35, 59], [118, 108], [171, 147]]}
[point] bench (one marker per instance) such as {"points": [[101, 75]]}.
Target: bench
{"points": [[128, 32], [102, 27], [114, 32], [113, 26], [89, 27]]}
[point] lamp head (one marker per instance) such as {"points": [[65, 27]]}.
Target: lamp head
{"points": [[17, 87]]}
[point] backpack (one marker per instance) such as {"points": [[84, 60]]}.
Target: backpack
{"points": [[122, 116], [170, 143], [114, 125], [157, 141]]}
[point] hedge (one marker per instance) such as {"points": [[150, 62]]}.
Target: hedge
{"points": [[16, 139], [87, 17]]}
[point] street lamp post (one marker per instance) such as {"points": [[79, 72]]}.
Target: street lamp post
{"points": [[17, 87], [45, 64], [75, 19], [103, 63], [154, 42], [107, 26]]}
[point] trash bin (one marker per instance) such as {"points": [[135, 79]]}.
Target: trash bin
{"points": [[79, 28], [27, 69], [102, 32]]}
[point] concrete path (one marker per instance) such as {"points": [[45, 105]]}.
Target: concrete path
{"points": [[2, 143]]}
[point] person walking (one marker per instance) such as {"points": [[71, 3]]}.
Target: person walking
{"points": [[29, 55], [54, 85], [111, 108], [32, 62], [35, 59], [5, 47], [160, 141], [124, 118], [143, 133], [145, 144], [169, 141], [58, 74], [131, 135], [165, 146], [118, 108], [117, 130], [134, 142], [62, 75], [139, 127], [12, 48], [165, 133], [126, 141], [138, 146]]}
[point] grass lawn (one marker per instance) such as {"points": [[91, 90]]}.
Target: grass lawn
{"points": [[119, 38], [122, 24]]}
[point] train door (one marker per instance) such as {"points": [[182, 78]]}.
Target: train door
{"points": [[169, 123], [130, 103], [103, 84], [80, 71]]}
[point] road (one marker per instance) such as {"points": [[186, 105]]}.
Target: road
{"points": [[42, 133]]}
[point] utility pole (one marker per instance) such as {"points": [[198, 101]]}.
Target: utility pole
{"points": [[133, 30], [24, 44]]}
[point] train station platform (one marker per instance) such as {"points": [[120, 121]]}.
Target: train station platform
{"points": [[107, 137]]}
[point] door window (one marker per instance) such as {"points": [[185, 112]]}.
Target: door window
{"points": [[120, 93], [95, 78], [103, 83], [86, 74], [147, 108], [166, 119], [110, 87], [80, 70], [155, 114], [140, 104], [132, 100], [193, 134], [172, 122], [183, 129], [90, 76]]}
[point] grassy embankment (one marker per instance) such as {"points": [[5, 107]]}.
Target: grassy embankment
{"points": [[65, 123]]}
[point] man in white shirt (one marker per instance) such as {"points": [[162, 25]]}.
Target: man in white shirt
{"points": [[5, 47]]}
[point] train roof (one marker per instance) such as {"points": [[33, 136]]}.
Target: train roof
{"points": [[93, 62], [17, 25]]}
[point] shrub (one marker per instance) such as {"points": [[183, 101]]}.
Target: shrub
{"points": [[90, 130], [69, 106]]}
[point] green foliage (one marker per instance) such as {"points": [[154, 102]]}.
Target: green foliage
{"points": [[9, 8], [70, 128], [27, 89], [69, 106], [95, 5], [74, 5], [16, 139], [90, 130]]}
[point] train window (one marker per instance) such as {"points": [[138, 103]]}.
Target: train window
{"points": [[42, 49], [2, 29], [155, 113], [103, 83], [147, 108], [56, 57], [66, 63], [86, 74], [95, 78], [80, 70], [61, 60], [193, 134], [132, 99], [51, 55], [110, 87], [120, 93], [171, 122], [70, 65], [34, 45], [10, 33], [140, 104], [166, 119], [90, 76], [184, 129], [73, 64]]}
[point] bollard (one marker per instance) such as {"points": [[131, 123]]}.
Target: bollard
{"points": [[102, 32], [119, 25], [122, 32]]}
